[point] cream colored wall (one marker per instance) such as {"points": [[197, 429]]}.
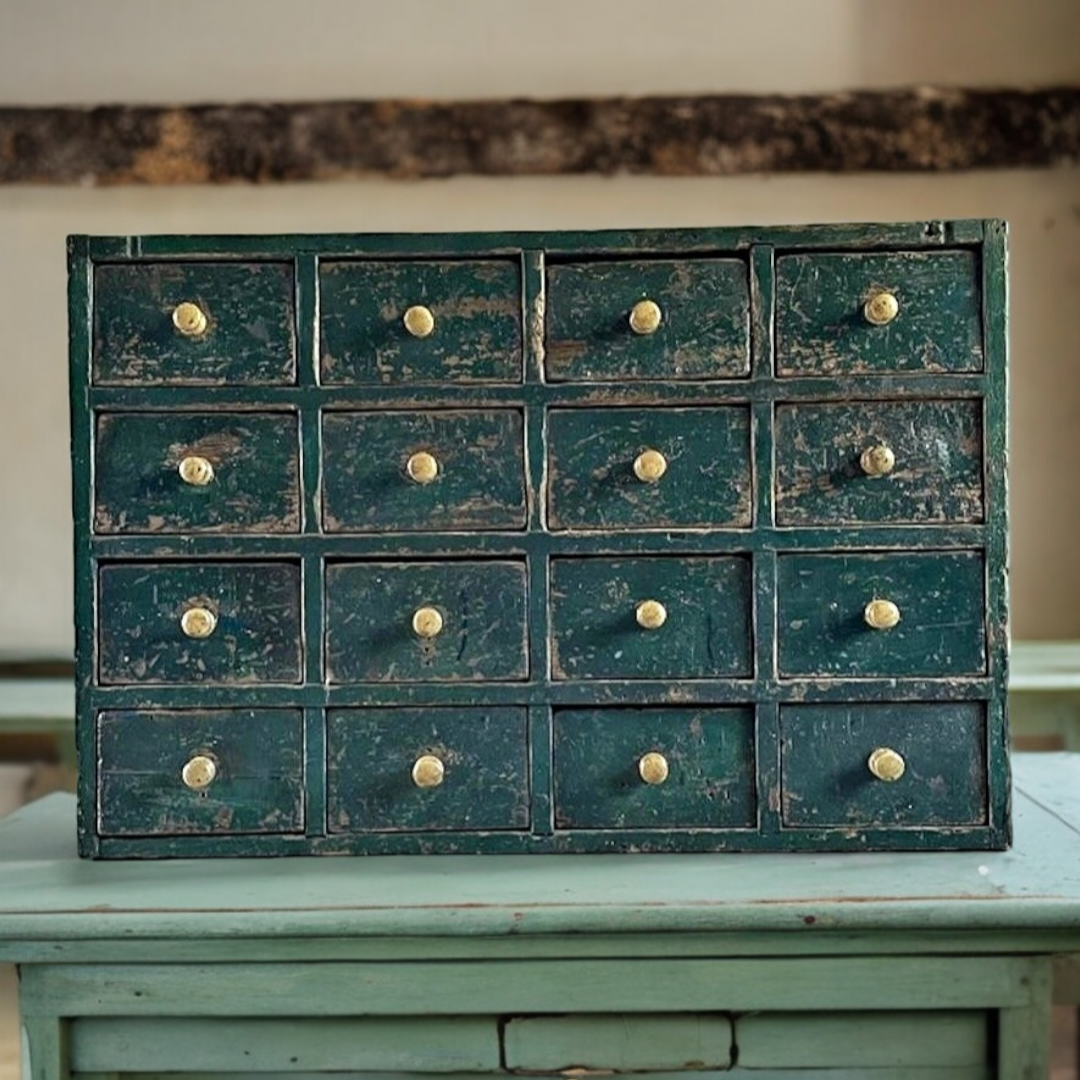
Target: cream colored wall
{"points": [[235, 49]]}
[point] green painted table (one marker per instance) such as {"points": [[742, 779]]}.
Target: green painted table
{"points": [[812, 966]]}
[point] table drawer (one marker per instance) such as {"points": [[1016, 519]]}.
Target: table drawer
{"points": [[677, 319], [425, 621], [891, 462], [654, 768], [194, 323], [221, 771], [184, 622], [408, 769], [884, 765], [827, 304], [185, 472], [423, 471], [619, 469], [837, 614], [651, 618], [450, 321]]}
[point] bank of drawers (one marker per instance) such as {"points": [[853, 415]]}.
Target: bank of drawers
{"points": [[625, 551]]}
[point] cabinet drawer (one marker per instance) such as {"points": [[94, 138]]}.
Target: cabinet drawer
{"points": [[469, 330], [654, 768], [425, 621], [651, 618], [896, 462], [829, 778], [199, 622], [834, 612], [596, 332], [234, 324], [421, 471], [427, 769], [183, 472], [617, 469], [235, 771], [824, 326]]}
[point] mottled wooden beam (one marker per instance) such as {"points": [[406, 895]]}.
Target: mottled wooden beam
{"points": [[921, 130]]}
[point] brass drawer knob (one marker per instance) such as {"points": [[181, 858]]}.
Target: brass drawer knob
{"points": [[422, 467], [886, 764], [881, 614], [198, 622], [645, 317], [651, 614], [428, 771], [419, 320], [877, 460], [653, 768], [199, 772], [196, 471], [427, 622], [649, 466], [881, 309], [189, 319]]}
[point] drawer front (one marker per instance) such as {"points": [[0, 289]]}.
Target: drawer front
{"points": [[599, 468], [199, 622], [654, 768], [196, 472], [425, 622], [823, 326], [897, 462], [825, 614], [247, 333], [427, 769], [601, 608], [826, 768], [471, 332], [423, 471], [153, 777], [703, 330]]}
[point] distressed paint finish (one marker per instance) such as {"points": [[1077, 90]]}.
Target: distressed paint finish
{"points": [[256, 484], [937, 478], [371, 753], [257, 638], [369, 611], [591, 479], [477, 336], [821, 328], [480, 483], [595, 634], [825, 779], [822, 631], [258, 788], [704, 334], [250, 336], [710, 755]]}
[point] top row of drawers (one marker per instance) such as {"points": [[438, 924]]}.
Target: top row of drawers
{"points": [[461, 321]]}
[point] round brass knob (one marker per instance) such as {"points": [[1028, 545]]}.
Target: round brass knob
{"points": [[649, 466], [198, 622], [422, 467], [877, 460], [428, 771], [886, 764], [881, 308], [196, 471], [199, 772], [881, 614], [653, 768], [645, 317], [651, 614], [427, 622], [419, 320], [189, 319]]}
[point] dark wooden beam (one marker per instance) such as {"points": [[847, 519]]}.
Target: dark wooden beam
{"points": [[923, 130]]}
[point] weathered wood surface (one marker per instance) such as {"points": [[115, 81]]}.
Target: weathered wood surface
{"points": [[922, 130]]}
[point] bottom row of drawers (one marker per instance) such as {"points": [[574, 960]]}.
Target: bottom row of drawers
{"points": [[242, 771]]}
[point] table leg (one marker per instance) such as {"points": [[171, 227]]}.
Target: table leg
{"points": [[46, 1048], [1024, 1032]]}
